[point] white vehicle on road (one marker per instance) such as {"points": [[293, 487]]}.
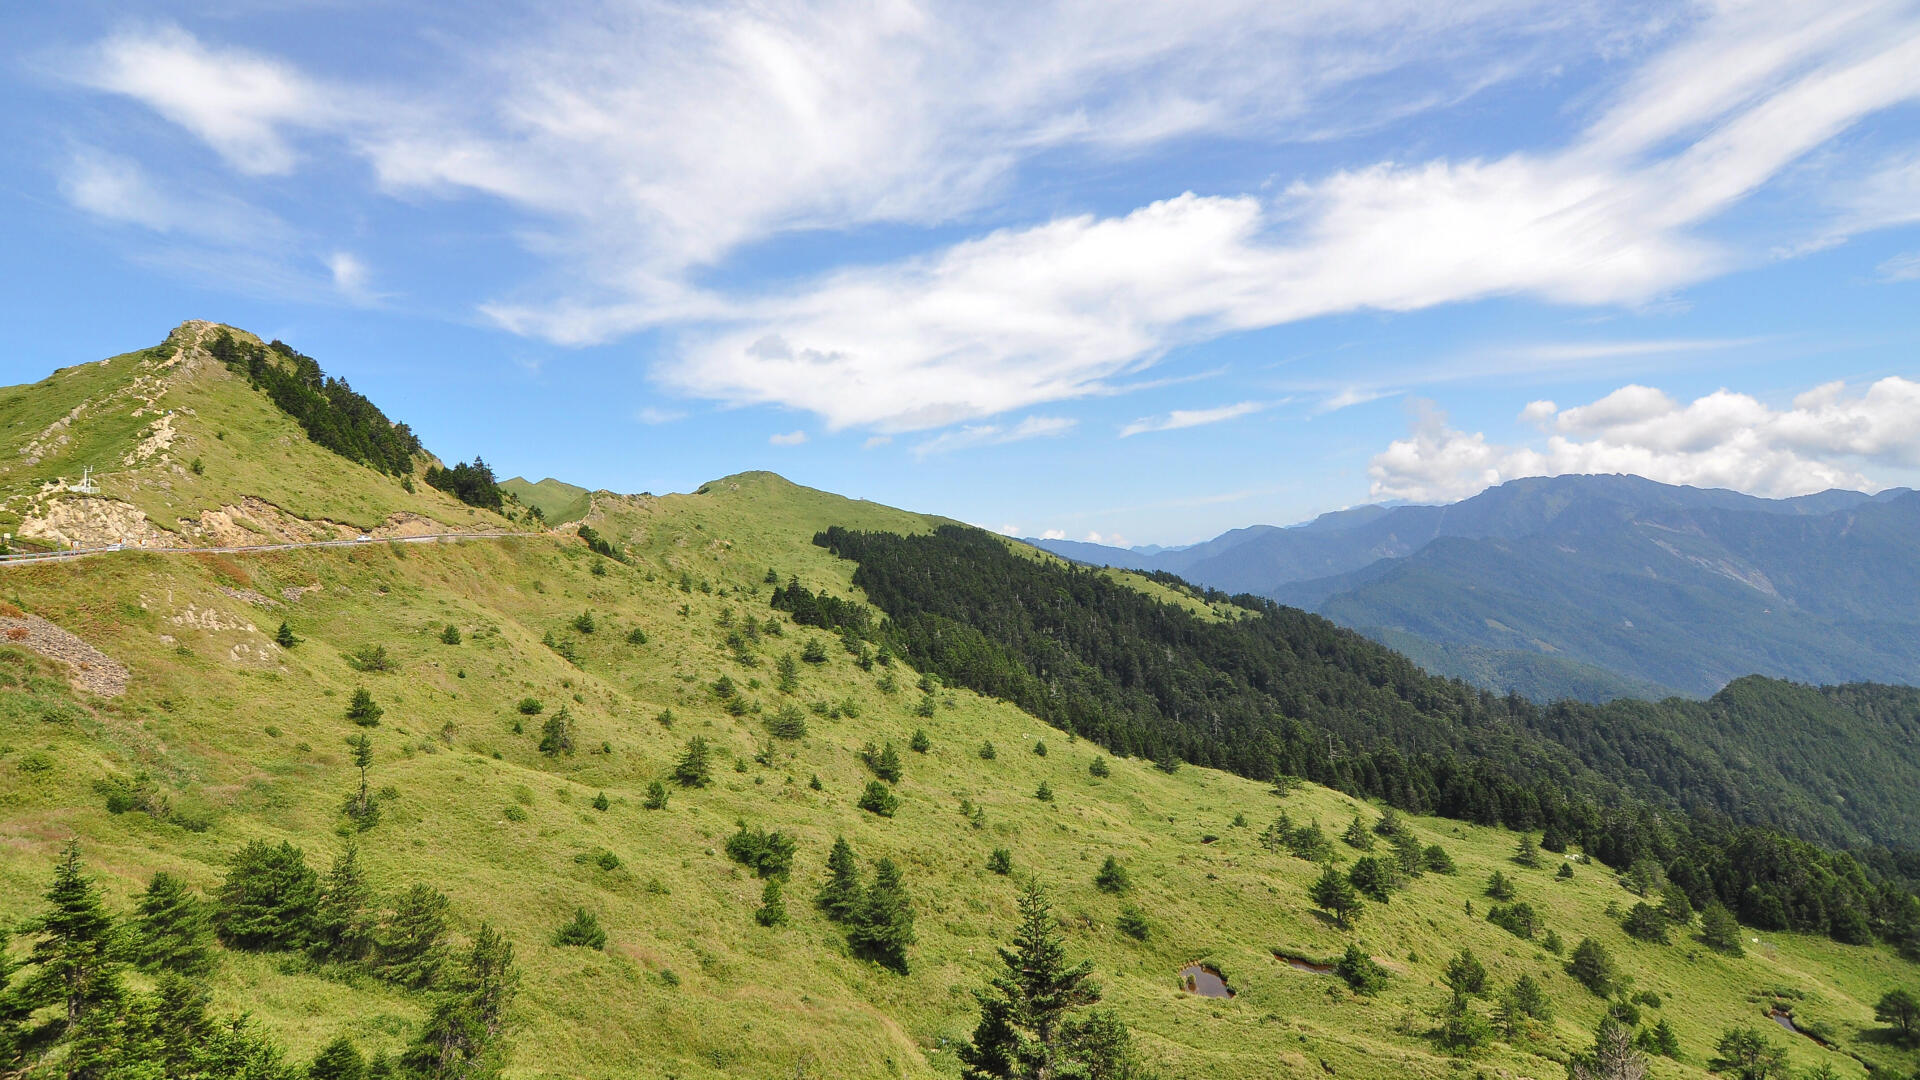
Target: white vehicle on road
{"points": [[362, 538]]}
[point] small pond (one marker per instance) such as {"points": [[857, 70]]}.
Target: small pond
{"points": [[1203, 980], [1301, 963]]}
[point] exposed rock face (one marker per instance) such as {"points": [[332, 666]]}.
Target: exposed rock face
{"points": [[88, 668], [92, 521]]}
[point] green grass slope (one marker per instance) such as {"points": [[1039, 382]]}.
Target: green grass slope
{"points": [[246, 740], [559, 501], [186, 453]]}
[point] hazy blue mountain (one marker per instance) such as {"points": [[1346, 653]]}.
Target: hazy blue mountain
{"points": [[1599, 586]]}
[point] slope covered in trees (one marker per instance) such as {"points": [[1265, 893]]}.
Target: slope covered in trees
{"points": [[331, 412], [1286, 693]]}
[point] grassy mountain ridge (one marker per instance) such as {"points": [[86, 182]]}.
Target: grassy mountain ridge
{"points": [[184, 452], [225, 735]]}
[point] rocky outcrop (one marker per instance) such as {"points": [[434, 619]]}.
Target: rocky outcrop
{"points": [[88, 668], [93, 521]]}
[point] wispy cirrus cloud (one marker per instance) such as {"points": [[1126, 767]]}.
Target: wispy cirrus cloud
{"points": [[968, 436], [1186, 418]]}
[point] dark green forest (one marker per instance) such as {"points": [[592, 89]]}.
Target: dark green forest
{"points": [[1283, 693], [330, 411]]}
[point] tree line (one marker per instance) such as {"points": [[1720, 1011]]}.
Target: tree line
{"points": [[330, 411], [1283, 693]]}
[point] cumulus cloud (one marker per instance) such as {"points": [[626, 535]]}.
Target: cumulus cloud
{"points": [[1053, 534], [1186, 418], [1823, 439]]}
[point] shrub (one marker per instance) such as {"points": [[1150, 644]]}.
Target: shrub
{"points": [[1744, 1053], [530, 706], [878, 798], [987, 752], [1040, 747], [885, 763], [1516, 919], [1462, 1030], [1133, 923], [1099, 768], [920, 744], [788, 722], [1372, 878], [813, 652], [1565, 871], [767, 854], [636, 636], [362, 710], [556, 735], [582, 931], [1360, 972], [1001, 861], [450, 636], [1044, 792], [583, 623], [600, 802], [373, 658], [268, 899], [1113, 877]]}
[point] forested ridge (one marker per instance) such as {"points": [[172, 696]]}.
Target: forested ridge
{"points": [[332, 413], [1284, 693]]}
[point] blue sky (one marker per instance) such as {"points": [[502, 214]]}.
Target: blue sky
{"points": [[1143, 272]]}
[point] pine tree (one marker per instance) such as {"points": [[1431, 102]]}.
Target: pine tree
{"points": [[1335, 894], [1499, 887], [693, 769], [1357, 835], [284, 638], [1900, 1010], [268, 899], [1592, 966], [601, 803], [556, 735], [1525, 853], [177, 1013], [362, 748], [1744, 1053], [583, 931], [362, 710], [73, 955], [1098, 768], [1719, 930], [843, 894], [450, 636], [411, 945], [171, 929], [920, 744], [338, 1060], [772, 910], [1645, 922], [461, 1038], [342, 928], [1465, 974], [879, 799], [987, 752], [1613, 1057], [1000, 861], [1674, 905], [1661, 1039], [1113, 877], [884, 928], [1026, 1015], [656, 796], [1372, 878]]}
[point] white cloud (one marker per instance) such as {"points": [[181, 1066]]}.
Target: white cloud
{"points": [[1186, 418], [969, 436], [653, 414], [1724, 439], [1539, 412], [649, 143], [1901, 268], [1053, 534], [235, 101], [874, 442], [791, 438], [350, 275]]}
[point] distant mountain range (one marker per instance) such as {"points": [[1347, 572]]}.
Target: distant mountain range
{"points": [[1596, 586]]}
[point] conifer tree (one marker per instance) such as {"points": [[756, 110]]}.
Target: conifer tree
{"points": [[362, 710], [920, 744], [1335, 894], [362, 809], [1525, 853], [462, 1035], [283, 637], [1112, 877], [556, 735], [180, 1025], [773, 909], [338, 1060], [843, 894], [1357, 835], [1592, 966], [1465, 974], [1028, 1029], [1500, 887], [884, 928], [268, 899], [694, 769], [1613, 1056], [411, 945], [343, 928], [171, 929], [73, 954]]}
